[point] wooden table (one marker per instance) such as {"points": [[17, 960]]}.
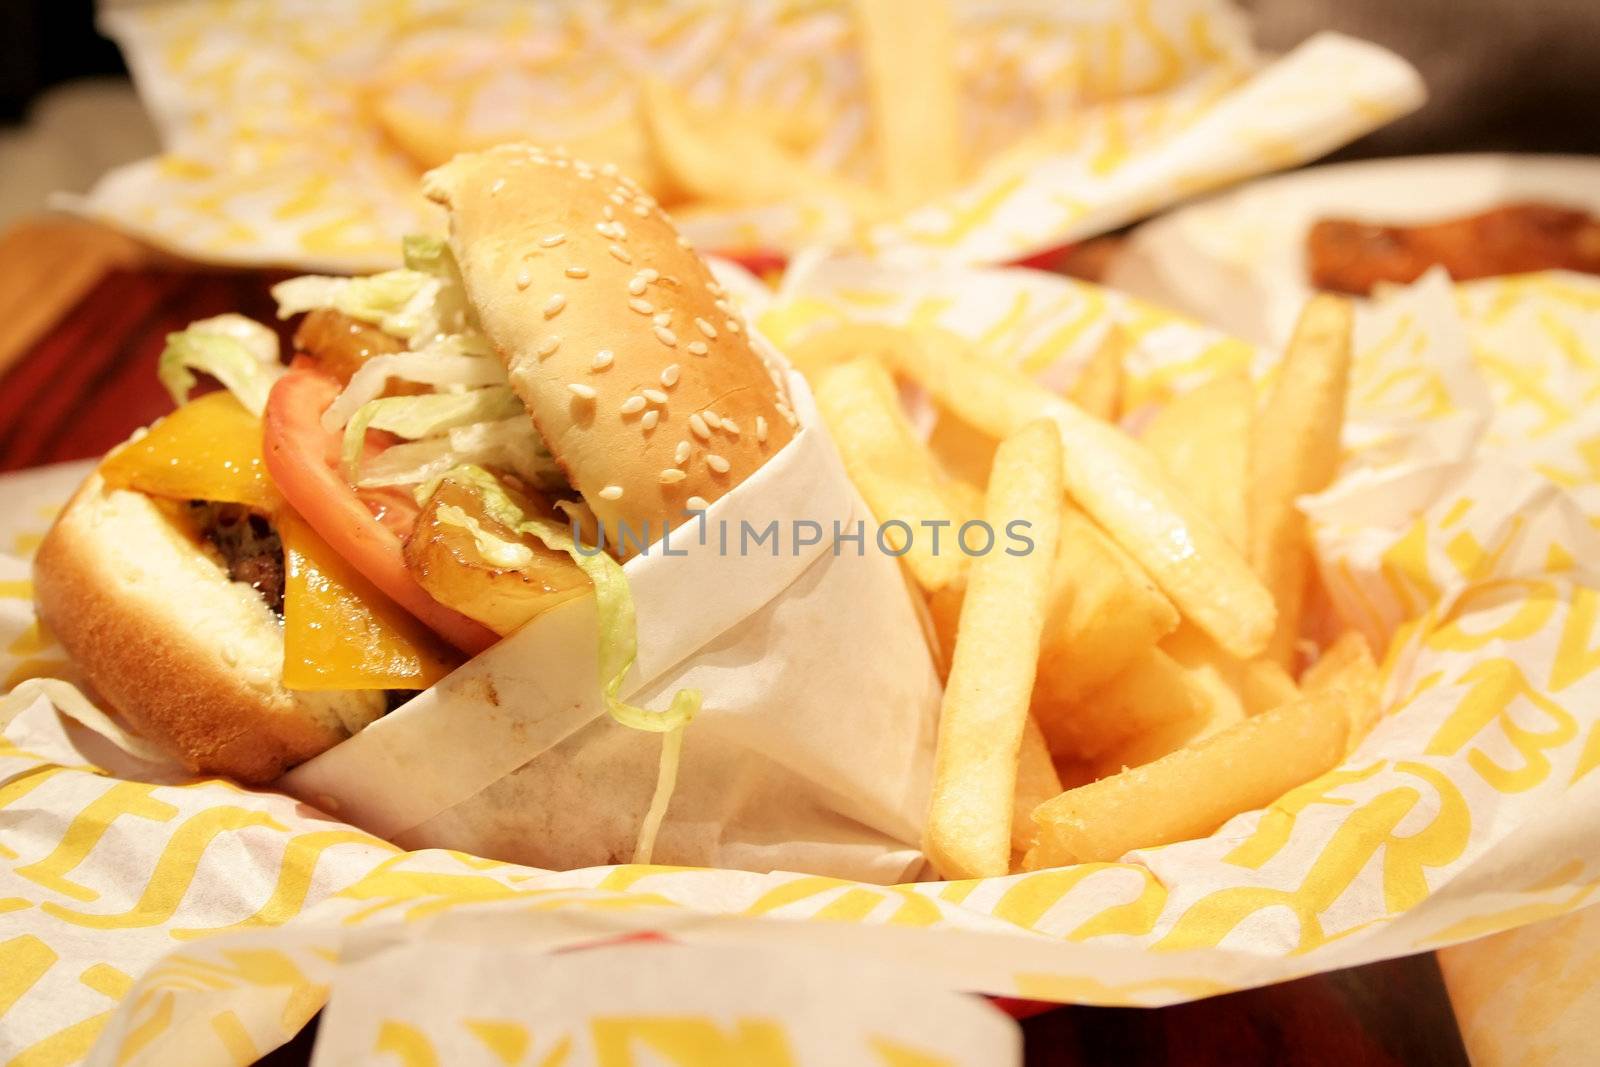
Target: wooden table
{"points": [[83, 316]]}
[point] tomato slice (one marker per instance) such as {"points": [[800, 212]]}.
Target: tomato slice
{"points": [[298, 452]]}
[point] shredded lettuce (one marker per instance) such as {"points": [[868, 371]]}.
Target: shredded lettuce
{"points": [[437, 366], [617, 648], [426, 253], [240, 353], [511, 443], [423, 416]]}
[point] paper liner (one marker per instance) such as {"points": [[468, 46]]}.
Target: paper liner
{"points": [[1462, 525], [272, 155]]}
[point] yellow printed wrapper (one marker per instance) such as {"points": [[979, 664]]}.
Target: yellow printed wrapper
{"points": [[1529, 995], [294, 132], [148, 913]]}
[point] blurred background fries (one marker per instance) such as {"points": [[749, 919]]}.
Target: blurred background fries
{"points": [[982, 131]]}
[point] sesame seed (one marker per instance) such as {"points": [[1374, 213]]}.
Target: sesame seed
{"points": [[648, 421], [641, 211], [633, 405], [523, 280], [697, 426], [602, 359], [732, 326], [712, 419], [666, 336], [730, 427], [717, 463], [611, 492], [696, 503], [706, 328], [681, 453], [499, 184], [671, 475], [548, 346], [697, 348], [715, 289], [577, 272], [553, 306], [553, 240], [643, 307], [650, 274], [607, 212], [663, 318], [669, 375], [723, 306], [580, 390], [608, 169], [618, 252], [761, 429], [637, 285], [655, 396]]}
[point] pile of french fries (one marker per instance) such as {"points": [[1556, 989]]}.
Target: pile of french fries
{"points": [[1136, 679]]}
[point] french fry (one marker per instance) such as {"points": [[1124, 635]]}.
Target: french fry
{"points": [[1192, 791], [1117, 482], [1264, 684], [944, 612], [963, 449], [909, 59], [1037, 782], [816, 352], [1295, 450], [985, 709], [1202, 439], [723, 159], [1098, 389], [1104, 614], [896, 474], [1348, 664], [1152, 694], [1210, 681]]}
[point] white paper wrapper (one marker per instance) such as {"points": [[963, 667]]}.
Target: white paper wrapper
{"points": [[1460, 534], [1076, 118], [814, 749]]}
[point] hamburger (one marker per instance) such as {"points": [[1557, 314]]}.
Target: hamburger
{"points": [[274, 565]]}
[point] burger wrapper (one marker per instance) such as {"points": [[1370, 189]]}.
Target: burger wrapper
{"points": [[280, 122], [813, 750], [151, 912]]}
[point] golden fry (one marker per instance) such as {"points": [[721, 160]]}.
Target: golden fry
{"points": [[1104, 614], [1152, 695], [1098, 389], [1192, 791], [1117, 482], [896, 474], [1295, 451], [985, 708], [1202, 439], [964, 450], [1037, 782], [1348, 664], [1264, 684], [909, 58]]}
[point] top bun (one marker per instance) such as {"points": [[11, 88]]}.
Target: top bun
{"points": [[626, 352]]}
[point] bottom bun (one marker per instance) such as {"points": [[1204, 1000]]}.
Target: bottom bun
{"points": [[191, 660]]}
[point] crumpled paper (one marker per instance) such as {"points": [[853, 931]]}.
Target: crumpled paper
{"points": [[1461, 529], [1084, 117]]}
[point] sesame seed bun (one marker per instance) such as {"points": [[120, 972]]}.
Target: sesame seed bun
{"points": [[630, 359], [190, 659]]}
